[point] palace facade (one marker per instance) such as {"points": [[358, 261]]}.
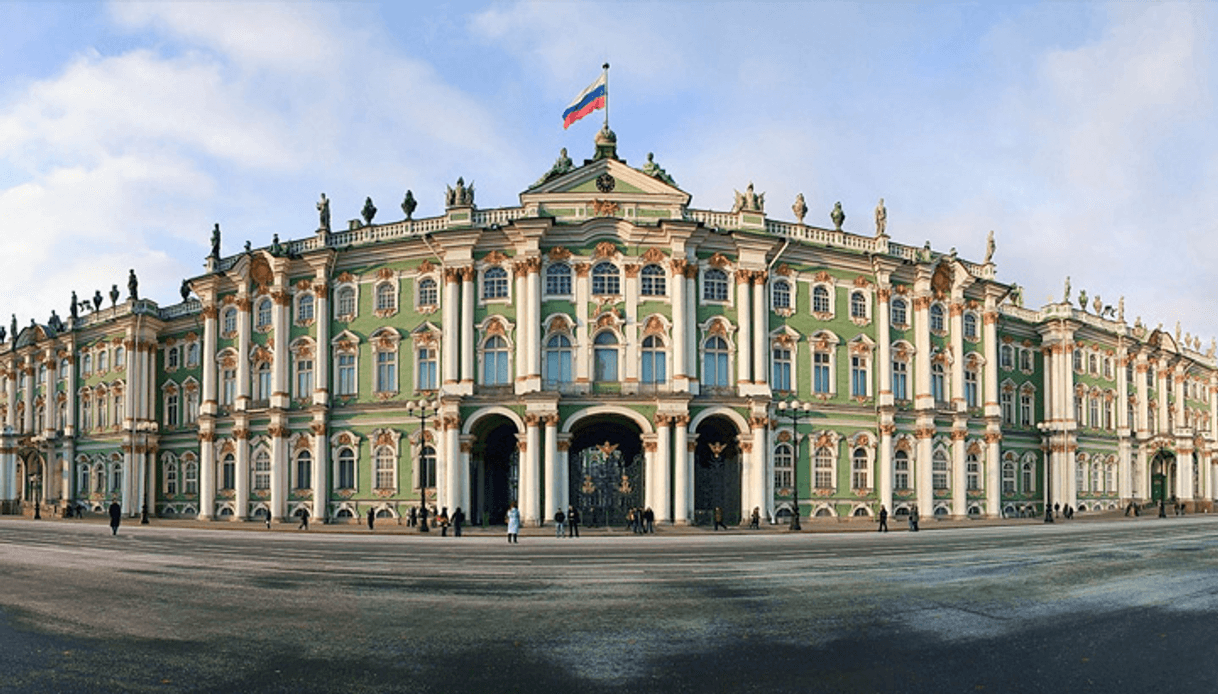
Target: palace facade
{"points": [[604, 345]]}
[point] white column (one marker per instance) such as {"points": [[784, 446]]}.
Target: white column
{"points": [[468, 335], [280, 303], [534, 337], [883, 369], [925, 489], [452, 341], [662, 499], [556, 497], [959, 485], [523, 321], [884, 453], [682, 474], [463, 494], [207, 473], [207, 403], [454, 477], [923, 399], [243, 358], [241, 507], [630, 330], [744, 320], [761, 333], [279, 471], [956, 318], [563, 451], [680, 375], [321, 469], [321, 365], [27, 377], [993, 412], [691, 331], [532, 480], [762, 469], [583, 353]]}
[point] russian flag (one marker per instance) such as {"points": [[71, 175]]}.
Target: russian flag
{"points": [[588, 101]]}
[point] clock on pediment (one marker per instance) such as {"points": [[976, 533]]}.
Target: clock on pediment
{"points": [[605, 183]]}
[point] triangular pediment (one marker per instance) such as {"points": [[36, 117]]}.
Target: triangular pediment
{"points": [[586, 182]]}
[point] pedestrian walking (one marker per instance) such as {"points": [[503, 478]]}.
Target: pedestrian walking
{"points": [[458, 521], [268, 519], [1048, 513], [755, 519], [414, 516], [1162, 509], [572, 521], [442, 521], [371, 519], [304, 519], [559, 519], [422, 518], [913, 519], [116, 517], [719, 518], [513, 524], [649, 519], [883, 519]]}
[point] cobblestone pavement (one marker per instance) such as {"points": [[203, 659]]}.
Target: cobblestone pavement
{"points": [[1101, 605]]}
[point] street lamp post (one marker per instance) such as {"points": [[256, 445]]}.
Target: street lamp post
{"points": [[796, 409], [422, 408]]}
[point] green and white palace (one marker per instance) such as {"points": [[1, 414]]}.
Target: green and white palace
{"points": [[605, 345]]}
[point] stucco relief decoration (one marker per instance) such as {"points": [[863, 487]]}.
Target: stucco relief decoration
{"points": [[345, 346], [604, 208], [170, 388], [559, 254], [303, 350], [862, 282], [426, 266], [718, 327], [494, 258], [784, 270], [496, 327], [317, 428], [386, 437], [653, 255], [261, 354], [941, 281], [560, 324], [653, 326], [607, 320], [784, 436], [605, 249], [581, 269], [785, 340], [260, 272]]}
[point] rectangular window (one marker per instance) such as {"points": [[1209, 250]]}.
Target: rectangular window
{"points": [[346, 374], [427, 368], [782, 369], [1025, 409], [386, 372], [1008, 407], [900, 381], [1025, 359], [304, 378], [820, 372], [858, 377], [970, 388]]}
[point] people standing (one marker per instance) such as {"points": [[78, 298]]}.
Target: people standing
{"points": [[304, 519], [559, 519], [414, 516], [268, 519], [719, 518], [913, 519], [883, 519], [572, 521], [442, 521], [1162, 509], [458, 521], [116, 517], [422, 518], [371, 519], [1048, 513], [649, 518], [755, 519], [513, 524]]}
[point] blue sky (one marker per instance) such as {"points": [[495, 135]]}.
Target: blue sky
{"points": [[1083, 134]]}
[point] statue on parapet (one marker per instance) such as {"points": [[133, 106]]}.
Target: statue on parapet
{"points": [[14, 327], [323, 214], [562, 165], [409, 204], [215, 242], [654, 170], [97, 298], [73, 307], [1066, 296], [114, 295], [800, 208], [837, 216], [3, 333], [749, 200], [461, 196], [276, 247], [1082, 299], [133, 285], [990, 247], [369, 211], [881, 219], [54, 322], [184, 290], [1016, 295]]}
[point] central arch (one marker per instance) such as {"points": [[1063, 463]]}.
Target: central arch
{"points": [[1163, 476], [606, 467], [717, 470], [494, 477]]}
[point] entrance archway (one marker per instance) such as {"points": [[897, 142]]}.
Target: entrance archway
{"points": [[494, 477], [1163, 477], [717, 471], [606, 474]]}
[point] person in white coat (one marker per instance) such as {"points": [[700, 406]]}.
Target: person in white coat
{"points": [[513, 523]]}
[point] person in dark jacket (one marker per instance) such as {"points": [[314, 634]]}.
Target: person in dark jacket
{"points": [[883, 520], [719, 518], [442, 521], [414, 516], [371, 519], [116, 517], [458, 521], [755, 519], [649, 519], [572, 521], [559, 519], [422, 519], [304, 519]]}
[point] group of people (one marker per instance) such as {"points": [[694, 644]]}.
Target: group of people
{"points": [[566, 524], [641, 520]]}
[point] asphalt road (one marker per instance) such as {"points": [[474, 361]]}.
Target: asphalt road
{"points": [[1128, 604]]}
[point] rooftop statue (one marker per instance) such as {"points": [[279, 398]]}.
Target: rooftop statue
{"points": [[409, 204], [97, 298], [3, 332], [323, 213], [54, 322], [215, 241], [562, 165], [800, 208], [881, 219], [247, 245], [276, 247], [1121, 310], [837, 216], [74, 307], [1066, 298], [461, 196], [114, 295], [654, 170], [1082, 299], [989, 248], [14, 327], [1017, 295], [133, 285], [185, 290], [749, 200], [369, 211]]}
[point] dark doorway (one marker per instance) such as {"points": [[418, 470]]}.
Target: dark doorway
{"points": [[495, 471], [717, 472], [1163, 477], [605, 473]]}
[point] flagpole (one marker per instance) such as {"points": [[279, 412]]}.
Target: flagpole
{"points": [[605, 67]]}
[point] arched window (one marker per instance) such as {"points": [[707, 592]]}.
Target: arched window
{"points": [[386, 297], [1008, 478], [655, 360], [494, 283], [344, 302], [780, 293], [900, 466], [972, 472], [558, 359], [558, 279], [820, 299], [859, 470], [171, 478], [938, 382], [1077, 360], [228, 321], [936, 319], [304, 308], [714, 285], [824, 468], [858, 376], [82, 481], [190, 477], [99, 478], [228, 472], [192, 355], [900, 312], [427, 467], [116, 476], [783, 468], [651, 281], [171, 409], [1093, 364], [103, 363], [262, 313], [858, 305], [120, 357], [495, 361], [386, 468], [304, 469], [346, 468], [429, 293], [1109, 478], [605, 279], [63, 368], [970, 326], [715, 362], [262, 381], [605, 353], [262, 470], [939, 470]]}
